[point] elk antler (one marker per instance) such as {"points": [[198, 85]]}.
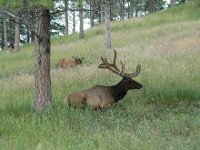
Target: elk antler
{"points": [[113, 68]]}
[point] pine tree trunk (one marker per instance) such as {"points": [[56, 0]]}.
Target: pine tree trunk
{"points": [[92, 12], [32, 36], [42, 62], [66, 18], [107, 39], [121, 11], [131, 8], [17, 35], [99, 9], [32, 26], [28, 34], [128, 11], [152, 6], [102, 13], [81, 33], [73, 17], [172, 3], [5, 36]]}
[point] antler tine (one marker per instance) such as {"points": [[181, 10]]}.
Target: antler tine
{"points": [[131, 75], [114, 61], [123, 67], [113, 67], [103, 64], [115, 57]]}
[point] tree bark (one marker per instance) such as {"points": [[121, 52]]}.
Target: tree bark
{"points": [[10, 33], [107, 39], [5, 36], [81, 33], [17, 35], [28, 34], [32, 26], [128, 11], [42, 62], [102, 13], [92, 12], [152, 6], [121, 11], [172, 3], [32, 36], [131, 8], [73, 18], [66, 18]]}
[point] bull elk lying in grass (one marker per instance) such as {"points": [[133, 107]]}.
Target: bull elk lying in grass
{"points": [[99, 96], [63, 63]]}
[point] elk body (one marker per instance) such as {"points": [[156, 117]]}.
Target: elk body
{"points": [[72, 62], [99, 97]]}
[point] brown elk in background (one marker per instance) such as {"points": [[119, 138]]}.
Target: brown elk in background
{"points": [[100, 96], [72, 62]]}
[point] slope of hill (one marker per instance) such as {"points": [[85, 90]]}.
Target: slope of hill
{"points": [[162, 115]]}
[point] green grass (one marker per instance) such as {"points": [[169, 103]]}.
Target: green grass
{"points": [[164, 114]]}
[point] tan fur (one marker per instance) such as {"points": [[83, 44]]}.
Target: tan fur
{"points": [[64, 63], [97, 97], [72, 62]]}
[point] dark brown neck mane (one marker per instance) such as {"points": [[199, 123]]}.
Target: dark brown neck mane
{"points": [[118, 91]]}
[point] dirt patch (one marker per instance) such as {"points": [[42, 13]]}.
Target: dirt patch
{"points": [[186, 43]]}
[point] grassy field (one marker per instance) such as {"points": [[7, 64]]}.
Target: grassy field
{"points": [[164, 114]]}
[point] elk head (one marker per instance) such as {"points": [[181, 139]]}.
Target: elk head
{"points": [[78, 60]]}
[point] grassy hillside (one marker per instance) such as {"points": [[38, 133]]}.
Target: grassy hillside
{"points": [[163, 115]]}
